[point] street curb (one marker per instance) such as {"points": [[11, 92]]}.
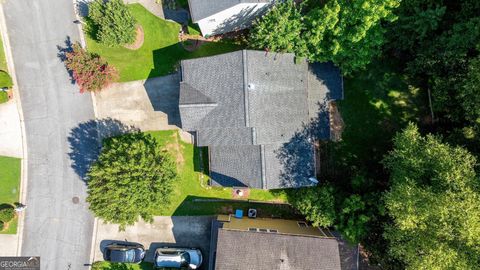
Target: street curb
{"points": [[94, 103], [16, 92]]}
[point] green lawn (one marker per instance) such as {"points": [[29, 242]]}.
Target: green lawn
{"points": [[3, 97], [121, 266], [9, 186], [3, 60], [191, 194], [378, 103], [160, 53]]}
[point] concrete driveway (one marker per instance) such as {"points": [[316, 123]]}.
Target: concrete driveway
{"points": [[150, 104], [192, 231]]}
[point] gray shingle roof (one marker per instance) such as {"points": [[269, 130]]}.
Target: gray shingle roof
{"points": [[239, 250], [253, 98], [224, 136], [201, 9], [237, 165]]}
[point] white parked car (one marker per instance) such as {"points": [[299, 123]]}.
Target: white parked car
{"points": [[189, 258]]}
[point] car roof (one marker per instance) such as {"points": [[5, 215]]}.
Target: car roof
{"points": [[170, 260], [118, 255]]}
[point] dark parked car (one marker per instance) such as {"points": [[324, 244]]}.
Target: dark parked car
{"points": [[124, 252], [189, 258]]}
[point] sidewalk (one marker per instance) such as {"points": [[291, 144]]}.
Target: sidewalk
{"points": [[10, 131], [13, 142]]}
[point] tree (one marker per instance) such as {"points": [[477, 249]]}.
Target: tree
{"points": [[132, 178], [280, 30], [349, 33], [434, 204], [317, 204], [90, 72], [114, 22]]}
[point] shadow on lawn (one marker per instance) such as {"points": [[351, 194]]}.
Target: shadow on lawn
{"points": [[85, 141], [166, 60], [205, 206]]}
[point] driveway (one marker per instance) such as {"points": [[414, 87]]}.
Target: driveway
{"points": [[58, 225], [192, 231], [10, 131], [150, 104]]}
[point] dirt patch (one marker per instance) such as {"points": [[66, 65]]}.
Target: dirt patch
{"points": [[336, 123], [192, 44], [140, 37], [176, 150]]}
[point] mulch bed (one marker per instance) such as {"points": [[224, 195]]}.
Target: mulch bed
{"points": [[140, 37]]}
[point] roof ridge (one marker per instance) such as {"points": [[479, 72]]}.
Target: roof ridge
{"points": [[245, 87]]}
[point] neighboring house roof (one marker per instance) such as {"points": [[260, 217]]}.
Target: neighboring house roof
{"points": [[201, 9], [255, 110], [262, 251]]}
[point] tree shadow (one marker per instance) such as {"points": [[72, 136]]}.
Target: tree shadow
{"points": [[241, 20], [85, 141], [297, 155], [62, 55]]}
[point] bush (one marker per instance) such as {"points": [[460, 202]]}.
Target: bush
{"points": [[7, 213], [114, 22], [90, 71], [5, 80]]}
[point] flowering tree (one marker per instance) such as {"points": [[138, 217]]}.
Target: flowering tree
{"points": [[90, 71]]}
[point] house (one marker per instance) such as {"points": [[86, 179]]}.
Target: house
{"points": [[259, 114], [221, 16], [265, 244]]}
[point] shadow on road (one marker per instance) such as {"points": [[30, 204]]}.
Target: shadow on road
{"points": [[62, 55], [85, 141]]}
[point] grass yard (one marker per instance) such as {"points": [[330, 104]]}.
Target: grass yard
{"points": [[378, 103], [121, 266], [192, 195], [9, 186], [160, 53]]}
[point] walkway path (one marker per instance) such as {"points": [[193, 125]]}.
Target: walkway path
{"points": [[57, 227], [10, 131]]}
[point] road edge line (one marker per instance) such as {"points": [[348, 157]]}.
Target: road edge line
{"points": [[95, 114], [24, 168]]}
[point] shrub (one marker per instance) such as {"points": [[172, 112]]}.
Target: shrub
{"points": [[90, 71], [114, 22], [5, 80], [7, 213]]}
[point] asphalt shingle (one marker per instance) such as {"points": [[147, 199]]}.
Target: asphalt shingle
{"points": [[240, 250], [259, 114]]}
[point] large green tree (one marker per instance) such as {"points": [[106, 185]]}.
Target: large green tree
{"points": [[349, 33], [280, 30], [132, 178], [317, 204], [434, 204], [114, 24]]}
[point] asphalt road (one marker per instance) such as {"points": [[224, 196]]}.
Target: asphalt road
{"points": [[56, 228]]}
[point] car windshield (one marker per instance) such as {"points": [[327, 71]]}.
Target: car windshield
{"points": [[130, 255], [185, 259]]}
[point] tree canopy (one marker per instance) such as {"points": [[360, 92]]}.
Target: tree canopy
{"points": [[114, 24], [349, 33], [90, 71], [434, 203], [132, 178]]}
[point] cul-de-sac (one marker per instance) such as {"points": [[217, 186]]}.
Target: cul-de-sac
{"points": [[239, 134]]}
